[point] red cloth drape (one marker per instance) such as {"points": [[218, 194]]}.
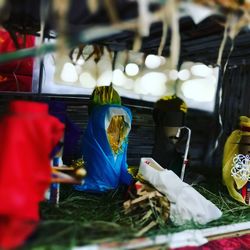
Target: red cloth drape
{"points": [[16, 75], [233, 243], [27, 136]]}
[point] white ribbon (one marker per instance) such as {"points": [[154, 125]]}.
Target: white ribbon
{"points": [[241, 167]]}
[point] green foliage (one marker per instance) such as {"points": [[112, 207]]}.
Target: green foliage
{"points": [[103, 95], [83, 218]]}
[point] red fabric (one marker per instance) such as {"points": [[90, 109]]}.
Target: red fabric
{"points": [[16, 75], [236, 243], [27, 135], [245, 129]]}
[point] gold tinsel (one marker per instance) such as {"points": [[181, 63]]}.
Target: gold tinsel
{"points": [[117, 132]]}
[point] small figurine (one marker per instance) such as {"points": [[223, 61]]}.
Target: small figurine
{"points": [[169, 147], [236, 162], [105, 142]]}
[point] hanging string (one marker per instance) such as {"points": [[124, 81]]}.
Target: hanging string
{"points": [[93, 5], [110, 6], [114, 60], [61, 9], [164, 36], [175, 42], [175, 38], [137, 44], [44, 10], [223, 42]]}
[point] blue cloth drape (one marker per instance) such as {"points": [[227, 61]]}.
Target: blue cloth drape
{"points": [[105, 170]]}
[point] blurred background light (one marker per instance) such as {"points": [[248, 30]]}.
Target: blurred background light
{"points": [[153, 61], [120, 67], [139, 88], [163, 60], [105, 78], [68, 73], [129, 84], [80, 61], [119, 78], [201, 90], [87, 80], [184, 74], [201, 70], [154, 83], [173, 74], [132, 69]]}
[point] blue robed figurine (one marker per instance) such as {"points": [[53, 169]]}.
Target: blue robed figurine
{"points": [[105, 142]]}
